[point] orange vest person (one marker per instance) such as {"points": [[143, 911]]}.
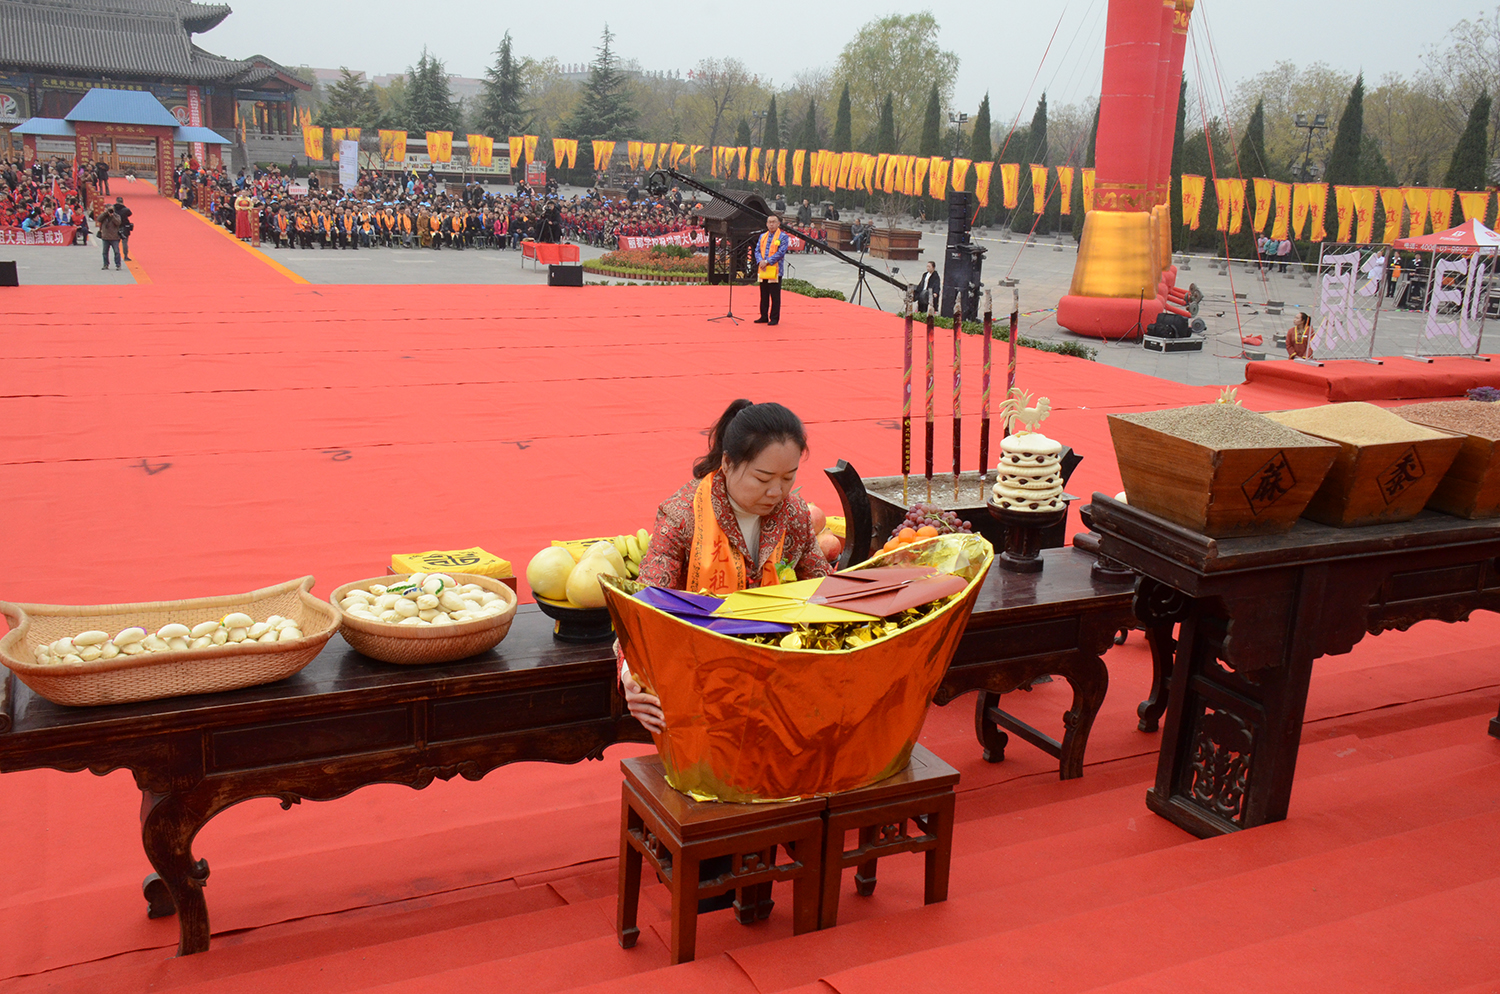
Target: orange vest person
{"points": [[770, 250]]}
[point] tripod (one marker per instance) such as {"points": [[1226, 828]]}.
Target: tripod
{"points": [[862, 285]]}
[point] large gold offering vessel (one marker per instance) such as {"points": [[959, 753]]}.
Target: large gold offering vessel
{"points": [[749, 721]]}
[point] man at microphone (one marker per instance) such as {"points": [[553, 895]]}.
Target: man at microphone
{"points": [[770, 250]]}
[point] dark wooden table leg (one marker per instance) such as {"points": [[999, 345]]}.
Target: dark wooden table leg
{"points": [[1229, 746], [1159, 637], [1158, 607], [168, 826], [991, 739], [1089, 678]]}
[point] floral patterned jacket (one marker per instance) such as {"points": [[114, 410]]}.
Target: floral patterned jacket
{"points": [[665, 564]]}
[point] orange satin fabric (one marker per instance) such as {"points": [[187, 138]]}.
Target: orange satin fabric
{"points": [[750, 722], [715, 564]]}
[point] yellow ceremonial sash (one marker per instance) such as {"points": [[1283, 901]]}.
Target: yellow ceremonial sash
{"points": [[713, 563], [771, 271]]}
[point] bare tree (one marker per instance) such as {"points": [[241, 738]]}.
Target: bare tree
{"points": [[721, 83], [1467, 65]]}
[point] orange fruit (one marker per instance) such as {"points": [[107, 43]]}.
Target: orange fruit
{"points": [[906, 535], [892, 544], [926, 531]]}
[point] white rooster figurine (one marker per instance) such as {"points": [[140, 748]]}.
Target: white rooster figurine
{"points": [[1017, 406]]}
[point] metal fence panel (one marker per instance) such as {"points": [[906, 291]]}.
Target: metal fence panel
{"points": [[1352, 282]]}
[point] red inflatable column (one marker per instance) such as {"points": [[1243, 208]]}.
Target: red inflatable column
{"points": [[1114, 292], [1175, 50]]}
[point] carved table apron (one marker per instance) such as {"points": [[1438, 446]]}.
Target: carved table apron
{"points": [[1255, 613], [347, 721]]}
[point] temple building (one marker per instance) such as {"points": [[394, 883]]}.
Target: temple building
{"points": [[52, 52]]}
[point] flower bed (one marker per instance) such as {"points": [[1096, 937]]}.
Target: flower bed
{"points": [[662, 264]]}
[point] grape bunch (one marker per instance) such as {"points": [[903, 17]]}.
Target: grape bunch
{"points": [[930, 515]]}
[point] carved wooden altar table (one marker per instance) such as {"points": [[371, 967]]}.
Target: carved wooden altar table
{"points": [[1255, 613], [347, 721]]}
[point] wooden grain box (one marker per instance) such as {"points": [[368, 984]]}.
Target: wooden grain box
{"points": [[1219, 492], [1471, 487], [1382, 483]]}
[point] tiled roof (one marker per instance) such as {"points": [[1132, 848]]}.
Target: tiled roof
{"points": [[150, 38]]}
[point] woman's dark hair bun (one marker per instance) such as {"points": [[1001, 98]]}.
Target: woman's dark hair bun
{"points": [[744, 430]]}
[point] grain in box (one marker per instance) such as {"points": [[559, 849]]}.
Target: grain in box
{"points": [[1471, 487], [1386, 469], [1218, 469]]}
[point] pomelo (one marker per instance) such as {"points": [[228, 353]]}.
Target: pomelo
{"points": [[547, 573], [583, 584]]}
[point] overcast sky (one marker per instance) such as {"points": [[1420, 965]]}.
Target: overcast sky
{"points": [[1000, 44]]}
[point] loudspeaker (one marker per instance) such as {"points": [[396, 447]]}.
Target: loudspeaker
{"points": [[8, 275], [564, 275], [962, 265], [1169, 325]]}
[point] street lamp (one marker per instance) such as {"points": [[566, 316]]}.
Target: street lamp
{"points": [[958, 121], [759, 117], [1319, 122]]}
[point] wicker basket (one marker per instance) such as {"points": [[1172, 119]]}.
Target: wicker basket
{"points": [[152, 675], [413, 645]]}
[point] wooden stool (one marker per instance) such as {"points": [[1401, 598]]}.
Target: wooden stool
{"points": [[676, 834], [922, 794]]}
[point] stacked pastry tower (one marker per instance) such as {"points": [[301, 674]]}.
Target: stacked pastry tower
{"points": [[1029, 477]]}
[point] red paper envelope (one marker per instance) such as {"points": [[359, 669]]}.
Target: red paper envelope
{"points": [[887, 591]]}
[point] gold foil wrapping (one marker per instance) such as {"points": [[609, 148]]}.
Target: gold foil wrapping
{"points": [[824, 709]]}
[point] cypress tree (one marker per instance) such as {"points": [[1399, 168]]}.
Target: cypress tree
{"points": [[807, 139], [1036, 151], [980, 147], [885, 138], [771, 138], [843, 125], [1174, 195], [843, 140], [1249, 162], [932, 126], [1466, 170], [742, 133], [1343, 160], [1088, 162]]}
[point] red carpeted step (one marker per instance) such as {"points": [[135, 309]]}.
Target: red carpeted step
{"points": [[372, 932], [340, 958], [983, 883], [710, 972], [1391, 949], [1080, 951]]}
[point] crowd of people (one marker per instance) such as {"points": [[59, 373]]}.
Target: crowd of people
{"points": [[52, 192], [410, 209]]}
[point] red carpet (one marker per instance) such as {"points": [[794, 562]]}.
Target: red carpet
{"points": [[1397, 378], [219, 430]]}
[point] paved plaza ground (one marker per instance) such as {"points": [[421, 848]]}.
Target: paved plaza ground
{"points": [[1043, 268]]}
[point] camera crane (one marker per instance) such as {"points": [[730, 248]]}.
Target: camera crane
{"points": [[657, 186]]}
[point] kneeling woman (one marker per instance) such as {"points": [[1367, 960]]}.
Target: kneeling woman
{"points": [[736, 523]]}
